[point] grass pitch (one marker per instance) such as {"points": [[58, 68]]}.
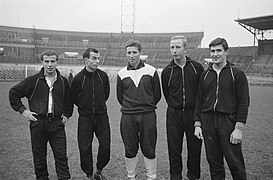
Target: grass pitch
{"points": [[16, 157]]}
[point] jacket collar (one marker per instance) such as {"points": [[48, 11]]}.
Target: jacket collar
{"points": [[228, 65], [172, 64], [140, 65], [89, 73], [42, 71]]}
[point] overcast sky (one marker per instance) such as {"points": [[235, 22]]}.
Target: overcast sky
{"points": [[214, 17]]}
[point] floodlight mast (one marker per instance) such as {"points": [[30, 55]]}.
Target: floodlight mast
{"points": [[127, 16]]}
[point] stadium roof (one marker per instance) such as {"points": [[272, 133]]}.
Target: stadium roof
{"points": [[260, 23]]}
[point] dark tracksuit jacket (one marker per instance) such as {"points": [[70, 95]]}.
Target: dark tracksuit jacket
{"points": [[90, 91], [36, 90], [180, 89], [138, 92], [221, 102], [228, 94]]}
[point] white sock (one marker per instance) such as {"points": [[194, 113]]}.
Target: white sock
{"points": [[131, 167], [150, 165]]}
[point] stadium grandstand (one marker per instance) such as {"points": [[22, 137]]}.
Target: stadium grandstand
{"points": [[22, 47], [262, 62]]}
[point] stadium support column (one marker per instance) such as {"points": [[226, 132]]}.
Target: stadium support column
{"points": [[127, 16]]}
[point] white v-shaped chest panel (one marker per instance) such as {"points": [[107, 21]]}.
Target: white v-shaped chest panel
{"points": [[137, 74]]}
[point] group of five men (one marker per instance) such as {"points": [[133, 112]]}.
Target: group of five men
{"points": [[210, 105]]}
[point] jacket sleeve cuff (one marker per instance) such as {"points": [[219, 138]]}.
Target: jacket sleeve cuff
{"points": [[22, 109], [66, 115], [197, 124], [239, 125]]}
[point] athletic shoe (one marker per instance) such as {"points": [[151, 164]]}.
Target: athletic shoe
{"points": [[99, 176]]}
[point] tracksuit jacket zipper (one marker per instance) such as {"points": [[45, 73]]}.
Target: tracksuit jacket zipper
{"points": [[183, 84], [217, 92], [93, 95], [183, 91]]}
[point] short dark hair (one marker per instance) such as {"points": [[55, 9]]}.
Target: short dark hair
{"points": [[134, 43], [219, 41], [86, 52], [49, 53]]}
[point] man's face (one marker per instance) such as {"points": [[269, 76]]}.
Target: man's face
{"points": [[50, 63], [218, 54], [177, 49], [133, 55], [93, 62]]}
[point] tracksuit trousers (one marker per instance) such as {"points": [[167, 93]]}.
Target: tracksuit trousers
{"points": [[217, 128], [139, 129], [49, 130], [87, 127], [180, 122]]}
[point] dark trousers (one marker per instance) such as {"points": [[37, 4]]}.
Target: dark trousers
{"points": [[87, 126], [139, 129], [180, 122], [52, 131], [217, 128]]}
